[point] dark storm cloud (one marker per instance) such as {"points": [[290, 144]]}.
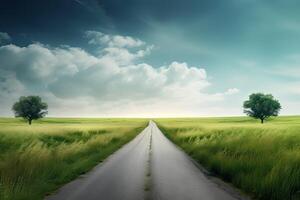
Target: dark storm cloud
{"points": [[4, 37], [59, 21], [137, 16], [50, 21], [137, 10], [218, 23]]}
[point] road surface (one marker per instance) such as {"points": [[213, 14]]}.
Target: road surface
{"points": [[148, 167]]}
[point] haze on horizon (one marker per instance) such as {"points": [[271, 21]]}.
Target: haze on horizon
{"points": [[139, 58]]}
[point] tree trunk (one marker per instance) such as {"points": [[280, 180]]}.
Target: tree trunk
{"points": [[262, 120], [29, 121]]}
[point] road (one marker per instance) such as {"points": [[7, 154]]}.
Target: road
{"points": [[148, 167]]}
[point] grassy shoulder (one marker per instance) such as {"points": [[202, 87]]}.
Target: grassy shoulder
{"points": [[261, 159], [37, 159]]}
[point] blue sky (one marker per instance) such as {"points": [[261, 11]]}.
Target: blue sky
{"points": [[149, 58]]}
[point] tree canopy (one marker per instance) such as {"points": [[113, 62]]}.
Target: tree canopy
{"points": [[30, 108], [261, 106]]}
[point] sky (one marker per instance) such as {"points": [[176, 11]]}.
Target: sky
{"points": [[142, 58]]}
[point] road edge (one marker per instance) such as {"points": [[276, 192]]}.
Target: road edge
{"points": [[98, 165], [226, 186]]}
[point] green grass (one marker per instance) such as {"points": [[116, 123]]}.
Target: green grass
{"points": [[261, 159], [35, 160]]}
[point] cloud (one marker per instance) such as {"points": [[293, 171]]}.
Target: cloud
{"points": [[112, 82], [124, 56], [122, 49], [96, 37], [4, 37], [231, 91], [72, 72]]}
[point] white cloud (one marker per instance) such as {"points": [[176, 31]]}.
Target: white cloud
{"points": [[112, 40], [4, 37], [113, 83], [231, 91], [117, 47]]}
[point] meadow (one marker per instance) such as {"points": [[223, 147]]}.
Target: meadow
{"points": [[263, 160], [36, 160]]}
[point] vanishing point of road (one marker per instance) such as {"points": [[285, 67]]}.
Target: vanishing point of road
{"points": [[148, 167]]}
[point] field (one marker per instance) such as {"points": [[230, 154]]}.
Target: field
{"points": [[37, 159], [261, 159]]}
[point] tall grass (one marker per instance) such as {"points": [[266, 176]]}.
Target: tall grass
{"points": [[262, 160], [37, 159]]}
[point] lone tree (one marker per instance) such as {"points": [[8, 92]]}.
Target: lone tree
{"points": [[261, 106], [30, 108]]}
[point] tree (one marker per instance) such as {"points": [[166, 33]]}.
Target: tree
{"points": [[30, 108], [261, 106]]}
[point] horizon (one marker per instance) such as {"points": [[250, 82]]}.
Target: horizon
{"points": [[109, 58], [150, 118]]}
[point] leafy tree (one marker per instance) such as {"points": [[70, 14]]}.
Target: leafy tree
{"points": [[30, 108], [261, 106]]}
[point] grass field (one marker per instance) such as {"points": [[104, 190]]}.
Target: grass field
{"points": [[37, 159], [261, 159]]}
